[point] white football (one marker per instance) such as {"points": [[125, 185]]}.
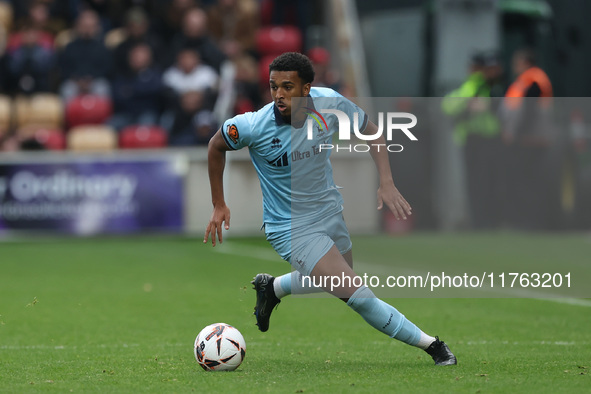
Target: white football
{"points": [[220, 347]]}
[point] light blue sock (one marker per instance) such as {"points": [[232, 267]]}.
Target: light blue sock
{"points": [[384, 317], [292, 284], [285, 283]]}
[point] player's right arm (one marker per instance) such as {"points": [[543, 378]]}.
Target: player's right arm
{"points": [[216, 161]]}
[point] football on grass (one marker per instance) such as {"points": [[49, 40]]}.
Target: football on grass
{"points": [[220, 347]]}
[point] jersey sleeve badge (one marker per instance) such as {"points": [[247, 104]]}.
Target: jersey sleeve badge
{"points": [[233, 133]]}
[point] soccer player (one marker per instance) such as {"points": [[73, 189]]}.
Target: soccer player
{"points": [[302, 213]]}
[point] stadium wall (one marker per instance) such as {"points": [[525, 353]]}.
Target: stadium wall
{"points": [[73, 193]]}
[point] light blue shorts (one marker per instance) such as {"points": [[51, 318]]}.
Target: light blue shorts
{"points": [[304, 247]]}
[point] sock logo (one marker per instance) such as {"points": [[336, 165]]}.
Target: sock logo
{"points": [[389, 321]]}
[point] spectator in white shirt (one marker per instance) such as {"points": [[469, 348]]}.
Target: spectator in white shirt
{"points": [[189, 74]]}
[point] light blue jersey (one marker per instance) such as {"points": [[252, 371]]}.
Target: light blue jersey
{"points": [[295, 175]]}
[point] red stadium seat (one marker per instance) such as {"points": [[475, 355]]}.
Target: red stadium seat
{"points": [[88, 109], [275, 40], [52, 139], [140, 137]]}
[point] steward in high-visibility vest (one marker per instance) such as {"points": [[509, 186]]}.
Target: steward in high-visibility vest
{"points": [[527, 120], [472, 116], [528, 134], [477, 130]]}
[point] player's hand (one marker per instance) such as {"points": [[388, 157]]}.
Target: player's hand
{"points": [[220, 215], [389, 195]]}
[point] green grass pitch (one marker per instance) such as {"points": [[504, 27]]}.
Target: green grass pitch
{"points": [[121, 314]]}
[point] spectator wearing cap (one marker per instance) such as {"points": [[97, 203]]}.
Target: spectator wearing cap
{"points": [[477, 132]]}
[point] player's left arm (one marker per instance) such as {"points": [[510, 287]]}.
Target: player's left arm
{"points": [[388, 194]]}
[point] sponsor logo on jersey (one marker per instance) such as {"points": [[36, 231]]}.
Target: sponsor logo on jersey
{"points": [[276, 143]]}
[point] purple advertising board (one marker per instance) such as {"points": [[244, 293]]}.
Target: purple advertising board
{"points": [[92, 196]]}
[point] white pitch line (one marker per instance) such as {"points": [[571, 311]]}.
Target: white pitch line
{"points": [[568, 301], [268, 254]]}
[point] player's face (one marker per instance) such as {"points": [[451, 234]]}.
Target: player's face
{"points": [[285, 85]]}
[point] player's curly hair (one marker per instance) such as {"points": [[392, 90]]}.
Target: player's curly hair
{"points": [[294, 61]]}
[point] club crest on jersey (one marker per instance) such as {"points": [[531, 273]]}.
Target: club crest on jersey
{"points": [[233, 133]]}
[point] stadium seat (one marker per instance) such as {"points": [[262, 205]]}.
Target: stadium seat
{"points": [[115, 37], [51, 138], [140, 137], [92, 138], [5, 114], [88, 109], [5, 16], [274, 40], [43, 109]]}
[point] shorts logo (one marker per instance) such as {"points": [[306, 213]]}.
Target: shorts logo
{"points": [[233, 133]]}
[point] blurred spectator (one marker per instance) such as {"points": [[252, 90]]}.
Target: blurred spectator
{"points": [[292, 12], [324, 75], [190, 123], [30, 64], [246, 84], [195, 35], [495, 74], [110, 12], [137, 28], [38, 19], [137, 93], [527, 133], [85, 63], [477, 131], [172, 12], [47, 15], [190, 74], [234, 22]]}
